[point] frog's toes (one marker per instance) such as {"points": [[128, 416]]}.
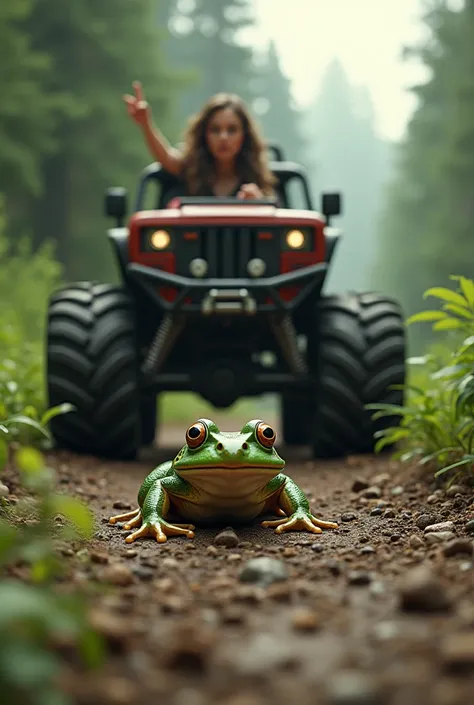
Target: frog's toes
{"points": [[160, 530], [123, 517]]}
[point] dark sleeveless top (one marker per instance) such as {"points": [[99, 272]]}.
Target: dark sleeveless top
{"points": [[181, 190]]}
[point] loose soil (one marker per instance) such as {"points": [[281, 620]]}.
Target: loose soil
{"points": [[377, 612]]}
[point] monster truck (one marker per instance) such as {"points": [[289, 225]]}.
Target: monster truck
{"points": [[223, 298]]}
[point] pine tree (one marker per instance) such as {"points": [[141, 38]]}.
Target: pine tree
{"points": [[25, 111], [428, 223], [279, 117], [349, 157], [204, 41], [97, 49]]}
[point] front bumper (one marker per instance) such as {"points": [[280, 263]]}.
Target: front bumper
{"points": [[229, 296]]}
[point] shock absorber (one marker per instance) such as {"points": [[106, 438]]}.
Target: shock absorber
{"points": [[165, 336]]}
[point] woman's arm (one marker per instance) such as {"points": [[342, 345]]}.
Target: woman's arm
{"points": [[160, 148]]}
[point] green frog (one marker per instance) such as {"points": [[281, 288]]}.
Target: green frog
{"points": [[220, 477]]}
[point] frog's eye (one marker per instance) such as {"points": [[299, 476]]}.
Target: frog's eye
{"points": [[196, 435], [266, 436]]}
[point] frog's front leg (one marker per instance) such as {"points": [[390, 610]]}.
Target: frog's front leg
{"points": [[155, 509], [293, 502], [134, 518]]}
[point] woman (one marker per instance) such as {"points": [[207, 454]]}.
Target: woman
{"points": [[223, 153]]}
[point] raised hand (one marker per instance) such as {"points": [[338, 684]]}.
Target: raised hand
{"points": [[249, 191], [137, 107]]}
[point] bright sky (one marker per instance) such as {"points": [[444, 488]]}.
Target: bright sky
{"points": [[366, 35]]}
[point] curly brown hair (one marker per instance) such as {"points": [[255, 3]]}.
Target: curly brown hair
{"points": [[197, 168]]}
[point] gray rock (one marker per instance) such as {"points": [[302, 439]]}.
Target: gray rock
{"points": [[263, 571]]}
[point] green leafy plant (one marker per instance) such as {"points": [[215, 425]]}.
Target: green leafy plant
{"points": [[34, 617], [437, 420]]}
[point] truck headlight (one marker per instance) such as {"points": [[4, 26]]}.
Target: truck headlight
{"points": [[160, 239], [295, 239], [298, 239]]}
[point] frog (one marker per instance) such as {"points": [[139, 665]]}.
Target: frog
{"points": [[231, 477]]}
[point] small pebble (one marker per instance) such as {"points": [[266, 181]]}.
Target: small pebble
{"points": [[358, 577], [425, 520], [397, 491], [416, 541], [317, 547], [470, 526], [395, 538], [422, 592], [458, 546], [454, 490], [376, 512], [227, 538], [348, 516], [381, 479], [263, 571], [358, 485], [305, 620], [121, 505], [143, 573], [99, 557], [441, 526], [433, 537], [372, 492], [366, 550], [234, 557], [389, 514], [117, 574]]}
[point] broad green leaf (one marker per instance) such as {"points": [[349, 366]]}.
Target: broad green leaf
{"points": [[425, 316], [56, 411], [446, 295], [75, 511], [448, 324], [460, 311], [467, 288], [29, 666], [465, 461], [29, 460], [26, 421]]}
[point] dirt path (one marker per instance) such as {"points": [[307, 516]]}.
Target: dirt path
{"points": [[349, 626]]}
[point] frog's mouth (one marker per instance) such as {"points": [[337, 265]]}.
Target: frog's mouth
{"points": [[231, 468]]}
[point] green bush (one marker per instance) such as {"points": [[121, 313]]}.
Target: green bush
{"points": [[26, 280], [34, 618], [437, 420]]}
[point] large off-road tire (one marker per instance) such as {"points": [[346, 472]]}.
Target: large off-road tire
{"points": [[92, 362], [384, 331], [356, 351], [293, 422]]}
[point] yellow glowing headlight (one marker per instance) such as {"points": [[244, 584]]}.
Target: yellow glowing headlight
{"points": [[295, 239], [160, 239]]}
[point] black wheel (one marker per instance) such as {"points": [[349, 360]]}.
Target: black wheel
{"points": [[356, 350], [294, 428], [92, 362], [384, 331], [149, 418]]}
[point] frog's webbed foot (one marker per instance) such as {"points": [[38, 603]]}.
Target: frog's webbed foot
{"points": [[300, 521], [160, 529], [135, 515]]}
